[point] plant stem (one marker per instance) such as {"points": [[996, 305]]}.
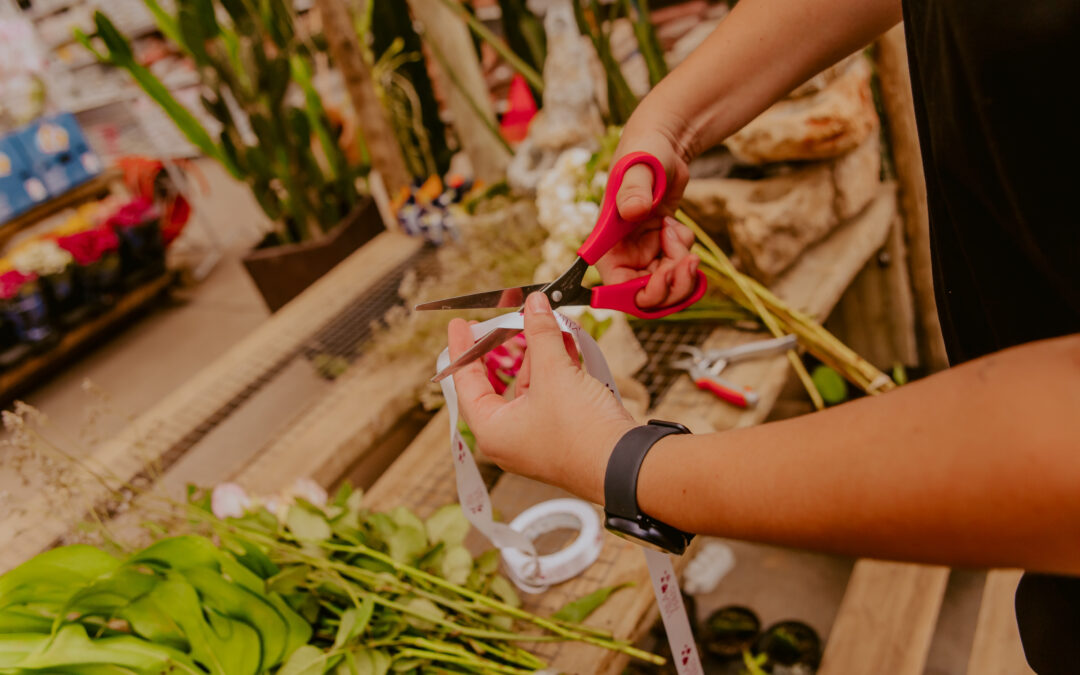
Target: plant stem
{"points": [[531, 76]]}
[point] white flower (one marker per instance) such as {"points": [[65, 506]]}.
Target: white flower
{"points": [[42, 257], [309, 490], [229, 500]]}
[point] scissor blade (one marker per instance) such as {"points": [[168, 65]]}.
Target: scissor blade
{"points": [[485, 345], [504, 297]]}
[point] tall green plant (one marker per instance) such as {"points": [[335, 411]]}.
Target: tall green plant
{"points": [[256, 73]]}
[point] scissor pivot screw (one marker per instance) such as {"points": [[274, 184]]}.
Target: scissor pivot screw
{"points": [[556, 296]]}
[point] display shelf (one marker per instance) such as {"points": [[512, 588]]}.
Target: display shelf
{"points": [[15, 381], [96, 187]]}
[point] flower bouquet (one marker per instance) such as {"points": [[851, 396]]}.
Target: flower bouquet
{"points": [[142, 250], [96, 253]]}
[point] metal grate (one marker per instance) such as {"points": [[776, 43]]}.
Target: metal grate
{"points": [[659, 339]]}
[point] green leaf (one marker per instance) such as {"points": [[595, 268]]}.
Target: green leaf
{"points": [[241, 604], [307, 660], [832, 387], [448, 525], [456, 565], [72, 647], [424, 608], [306, 525], [504, 591], [354, 621], [576, 611], [50, 578], [22, 621]]}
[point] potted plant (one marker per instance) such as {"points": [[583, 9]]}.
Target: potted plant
{"points": [[256, 75]]}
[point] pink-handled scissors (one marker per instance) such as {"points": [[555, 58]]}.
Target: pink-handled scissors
{"points": [[567, 289]]}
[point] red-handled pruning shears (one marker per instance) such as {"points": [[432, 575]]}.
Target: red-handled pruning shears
{"points": [[705, 367], [567, 289]]}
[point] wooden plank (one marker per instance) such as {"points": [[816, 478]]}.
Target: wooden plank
{"points": [[33, 526], [93, 188], [344, 46], [876, 316], [466, 90], [886, 619], [814, 284], [892, 69], [14, 382], [363, 405], [996, 649]]}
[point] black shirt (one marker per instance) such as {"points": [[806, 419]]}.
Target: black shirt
{"points": [[995, 88]]}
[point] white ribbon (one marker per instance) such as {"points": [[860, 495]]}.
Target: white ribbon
{"points": [[533, 576]]}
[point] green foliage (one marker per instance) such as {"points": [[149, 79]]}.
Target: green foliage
{"points": [[526, 36], [331, 590], [578, 610], [250, 59]]}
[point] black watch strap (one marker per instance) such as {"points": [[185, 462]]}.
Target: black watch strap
{"points": [[621, 477]]}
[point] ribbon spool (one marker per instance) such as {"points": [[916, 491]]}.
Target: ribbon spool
{"points": [[476, 503], [532, 573]]}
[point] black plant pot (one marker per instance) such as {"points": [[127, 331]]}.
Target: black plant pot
{"points": [[65, 297], [142, 252], [102, 281], [28, 313], [790, 643], [730, 630]]}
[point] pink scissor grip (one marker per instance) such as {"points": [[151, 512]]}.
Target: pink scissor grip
{"points": [[622, 297], [610, 226], [730, 395]]}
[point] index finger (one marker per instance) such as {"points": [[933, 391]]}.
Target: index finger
{"points": [[476, 396]]}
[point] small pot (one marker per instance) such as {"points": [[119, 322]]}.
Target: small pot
{"points": [[28, 313], [790, 643], [65, 296], [730, 630], [142, 252], [102, 281]]}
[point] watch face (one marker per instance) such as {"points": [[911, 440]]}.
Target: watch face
{"points": [[647, 532]]}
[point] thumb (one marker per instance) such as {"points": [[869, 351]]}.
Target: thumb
{"points": [[634, 199], [543, 335]]}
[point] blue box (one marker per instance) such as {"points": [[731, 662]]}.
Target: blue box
{"points": [[58, 152], [19, 188]]}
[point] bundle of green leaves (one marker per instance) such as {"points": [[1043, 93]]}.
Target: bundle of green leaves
{"points": [[324, 589]]}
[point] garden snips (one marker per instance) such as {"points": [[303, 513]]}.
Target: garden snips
{"points": [[567, 289], [705, 367]]}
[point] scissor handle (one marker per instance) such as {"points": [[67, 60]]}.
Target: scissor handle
{"points": [[732, 396], [622, 296], [610, 226]]}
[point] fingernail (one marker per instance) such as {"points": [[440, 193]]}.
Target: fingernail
{"points": [[537, 302], [670, 232], [671, 221]]}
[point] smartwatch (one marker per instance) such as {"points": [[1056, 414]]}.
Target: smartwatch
{"points": [[622, 516]]}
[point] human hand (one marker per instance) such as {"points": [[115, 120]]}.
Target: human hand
{"points": [[561, 425], [660, 245]]}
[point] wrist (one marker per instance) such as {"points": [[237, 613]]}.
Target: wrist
{"points": [[595, 449]]}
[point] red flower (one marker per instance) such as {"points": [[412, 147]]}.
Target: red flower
{"points": [[89, 245], [11, 281], [136, 212], [503, 363]]}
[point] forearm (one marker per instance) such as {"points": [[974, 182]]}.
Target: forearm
{"points": [[978, 465], [761, 51]]}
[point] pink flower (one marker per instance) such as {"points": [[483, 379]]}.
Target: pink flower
{"points": [[503, 363], [11, 281], [229, 500], [89, 245], [135, 212]]}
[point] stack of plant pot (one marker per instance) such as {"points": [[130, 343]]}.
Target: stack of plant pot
{"points": [[807, 164]]}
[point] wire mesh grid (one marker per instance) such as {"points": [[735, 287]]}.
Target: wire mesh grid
{"points": [[660, 339]]}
